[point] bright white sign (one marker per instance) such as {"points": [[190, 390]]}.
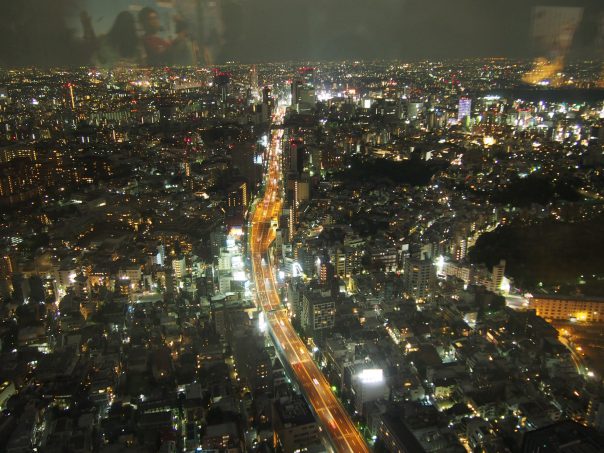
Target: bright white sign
{"points": [[372, 376]]}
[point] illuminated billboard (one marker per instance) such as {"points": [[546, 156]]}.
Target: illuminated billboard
{"points": [[372, 376]]}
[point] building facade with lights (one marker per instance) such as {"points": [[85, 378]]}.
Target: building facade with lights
{"points": [[569, 308], [318, 312]]}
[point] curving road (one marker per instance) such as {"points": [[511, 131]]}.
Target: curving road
{"points": [[332, 417]]}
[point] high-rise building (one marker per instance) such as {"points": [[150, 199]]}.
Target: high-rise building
{"points": [[20, 288], [267, 99], [6, 266], [4, 99], [294, 425], [224, 260], [303, 96], [301, 190], [414, 109], [293, 157], [418, 278], [368, 385], [243, 157], [217, 241], [253, 361], [160, 257], [325, 271], [308, 74], [253, 78], [292, 221], [237, 198], [179, 266], [565, 308], [71, 95], [318, 311], [6, 271], [464, 109], [222, 80], [296, 84], [497, 276], [338, 258]]}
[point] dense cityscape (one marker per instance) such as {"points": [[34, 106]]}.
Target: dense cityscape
{"points": [[304, 256]]}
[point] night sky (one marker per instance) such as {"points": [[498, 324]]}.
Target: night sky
{"points": [[46, 32]]}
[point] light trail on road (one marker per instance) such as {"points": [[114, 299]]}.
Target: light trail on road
{"points": [[332, 417]]}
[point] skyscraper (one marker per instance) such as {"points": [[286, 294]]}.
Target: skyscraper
{"points": [[237, 198], [267, 101], [253, 81], [303, 95], [464, 108], [222, 80], [253, 78]]}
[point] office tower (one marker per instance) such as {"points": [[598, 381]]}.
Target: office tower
{"points": [[267, 101], [464, 109], [295, 87], [301, 190], [303, 96], [414, 109], [318, 312], [217, 241], [308, 74], [167, 110], [69, 87], [266, 96], [293, 157], [222, 80], [237, 198], [253, 78], [243, 158]]}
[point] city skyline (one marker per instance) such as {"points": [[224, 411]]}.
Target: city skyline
{"points": [[348, 256], [262, 226]]}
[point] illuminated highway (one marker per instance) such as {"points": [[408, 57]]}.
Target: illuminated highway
{"points": [[332, 417]]}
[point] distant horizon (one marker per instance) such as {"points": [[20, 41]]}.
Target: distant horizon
{"points": [[449, 60]]}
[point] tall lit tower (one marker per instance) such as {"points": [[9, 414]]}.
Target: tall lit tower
{"points": [[222, 80], [307, 74], [267, 99], [464, 108], [253, 78], [71, 95]]}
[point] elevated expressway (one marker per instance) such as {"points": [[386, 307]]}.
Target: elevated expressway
{"points": [[330, 414]]}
